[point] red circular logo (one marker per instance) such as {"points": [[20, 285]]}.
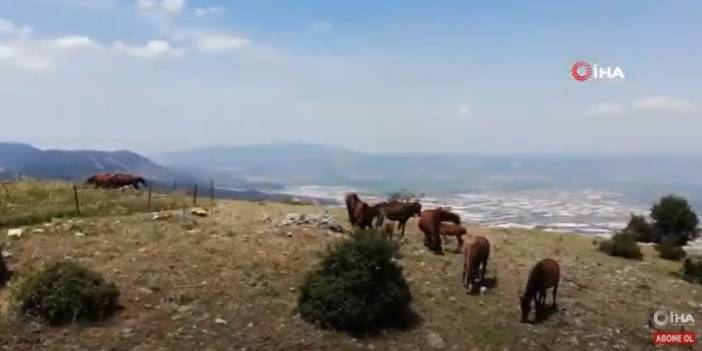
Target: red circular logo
{"points": [[575, 71]]}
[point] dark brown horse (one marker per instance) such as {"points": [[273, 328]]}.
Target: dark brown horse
{"points": [[475, 260], [364, 215], [351, 200], [399, 211], [543, 276], [430, 222], [99, 180], [447, 229], [114, 181]]}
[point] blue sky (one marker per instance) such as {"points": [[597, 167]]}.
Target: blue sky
{"points": [[420, 76]]}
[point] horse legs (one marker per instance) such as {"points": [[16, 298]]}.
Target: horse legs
{"points": [[483, 269], [555, 289], [402, 227]]}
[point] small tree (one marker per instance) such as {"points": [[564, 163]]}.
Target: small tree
{"points": [[692, 269], [65, 292], [639, 227], [358, 287], [672, 215], [622, 244], [668, 249]]}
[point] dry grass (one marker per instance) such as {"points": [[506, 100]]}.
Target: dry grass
{"points": [[178, 276], [30, 202]]}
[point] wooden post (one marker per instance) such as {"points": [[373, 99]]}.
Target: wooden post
{"points": [[19, 176], [75, 196], [195, 195], [212, 191], [148, 201]]}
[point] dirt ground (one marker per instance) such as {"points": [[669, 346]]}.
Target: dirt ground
{"points": [[230, 281]]}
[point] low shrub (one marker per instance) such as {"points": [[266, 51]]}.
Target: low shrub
{"points": [[670, 250], [65, 292], [692, 269], [622, 245], [358, 288]]}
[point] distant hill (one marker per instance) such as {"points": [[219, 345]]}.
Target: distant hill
{"points": [[643, 177], [78, 164]]}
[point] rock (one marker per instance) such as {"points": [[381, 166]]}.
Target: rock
{"points": [[145, 291], [220, 321], [435, 341], [15, 233], [199, 211], [79, 235], [266, 219], [483, 289], [183, 308], [160, 216], [289, 234], [6, 254], [38, 230]]}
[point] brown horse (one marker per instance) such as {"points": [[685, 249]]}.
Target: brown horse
{"points": [[475, 260], [364, 214], [399, 211], [543, 276], [99, 180], [351, 200], [447, 229], [429, 224], [120, 179]]}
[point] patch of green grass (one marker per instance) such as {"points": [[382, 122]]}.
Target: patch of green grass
{"points": [[31, 202]]}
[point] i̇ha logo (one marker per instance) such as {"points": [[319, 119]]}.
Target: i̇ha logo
{"points": [[663, 318], [584, 71]]}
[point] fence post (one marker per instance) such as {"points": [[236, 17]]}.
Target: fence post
{"points": [[212, 191], [75, 196], [19, 176], [195, 195], [148, 202]]}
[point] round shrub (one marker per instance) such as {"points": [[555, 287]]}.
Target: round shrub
{"points": [[65, 292], [692, 269], [358, 287], [670, 250], [623, 245]]}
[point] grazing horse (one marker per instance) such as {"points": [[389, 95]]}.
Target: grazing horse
{"points": [[475, 260], [351, 200], [429, 224], [99, 180], [364, 214], [119, 180], [543, 276], [446, 229], [401, 212]]}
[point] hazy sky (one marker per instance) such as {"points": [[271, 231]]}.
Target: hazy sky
{"points": [[372, 75]]}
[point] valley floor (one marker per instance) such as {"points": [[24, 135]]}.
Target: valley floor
{"points": [[230, 281]]}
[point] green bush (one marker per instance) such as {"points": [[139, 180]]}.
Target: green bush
{"points": [[358, 287], [692, 269], [672, 215], [623, 245], [668, 249], [66, 292], [642, 230]]}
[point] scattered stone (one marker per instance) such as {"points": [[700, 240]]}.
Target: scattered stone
{"points": [[145, 291], [159, 216], [289, 234], [220, 321], [15, 233], [184, 308], [199, 211], [79, 235], [38, 230], [435, 341], [6, 254], [266, 219]]}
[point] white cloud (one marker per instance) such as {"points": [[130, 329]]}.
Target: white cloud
{"points": [[664, 103], [9, 28], [170, 7], [208, 11], [153, 49], [73, 42], [16, 57], [605, 110], [464, 111], [322, 26], [221, 42]]}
